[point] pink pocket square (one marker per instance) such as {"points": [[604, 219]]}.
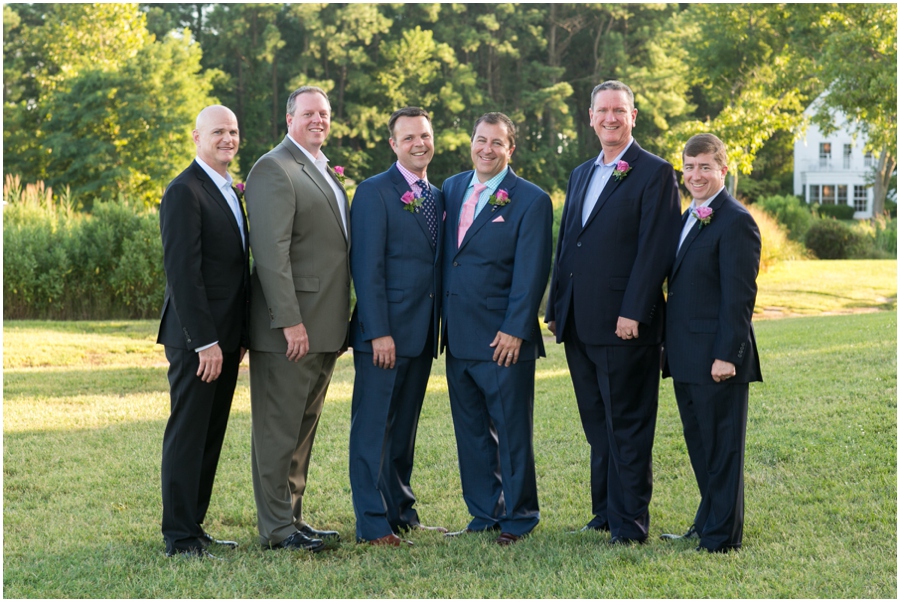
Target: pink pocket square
{"points": [[498, 219]]}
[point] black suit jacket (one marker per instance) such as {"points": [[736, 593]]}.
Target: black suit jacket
{"points": [[616, 263], [712, 291], [206, 264]]}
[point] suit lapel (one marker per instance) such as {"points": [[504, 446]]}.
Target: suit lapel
{"points": [[219, 200], [319, 180], [696, 231], [401, 187], [491, 212], [631, 157]]}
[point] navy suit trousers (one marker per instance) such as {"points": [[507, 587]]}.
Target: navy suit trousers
{"points": [[383, 424], [493, 410], [714, 418]]}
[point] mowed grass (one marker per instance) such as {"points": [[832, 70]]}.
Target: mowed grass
{"points": [[85, 405]]}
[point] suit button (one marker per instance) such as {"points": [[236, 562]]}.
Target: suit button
{"points": [[571, 274], [456, 265], [431, 296], [579, 244]]}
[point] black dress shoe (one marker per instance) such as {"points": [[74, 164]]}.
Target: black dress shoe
{"points": [[209, 539], [316, 534], [618, 540], [297, 541], [191, 553], [690, 534]]}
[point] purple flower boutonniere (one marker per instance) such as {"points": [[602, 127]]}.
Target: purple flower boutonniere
{"points": [[411, 201], [339, 174], [621, 170], [239, 188], [499, 199], [703, 215]]}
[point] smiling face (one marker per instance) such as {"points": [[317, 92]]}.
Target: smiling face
{"points": [[612, 117], [216, 137], [311, 121], [491, 150], [703, 176], [413, 143]]}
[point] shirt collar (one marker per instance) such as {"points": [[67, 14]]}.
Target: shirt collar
{"points": [[491, 184], [706, 203], [215, 176], [321, 156], [600, 158], [410, 177]]}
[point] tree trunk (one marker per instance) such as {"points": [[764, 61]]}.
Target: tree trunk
{"points": [[886, 165]]}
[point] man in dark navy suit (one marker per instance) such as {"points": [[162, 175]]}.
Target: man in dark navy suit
{"points": [[204, 325], [710, 346], [496, 262], [616, 240], [395, 261]]}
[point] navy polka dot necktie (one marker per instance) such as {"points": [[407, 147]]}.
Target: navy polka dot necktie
{"points": [[429, 208]]}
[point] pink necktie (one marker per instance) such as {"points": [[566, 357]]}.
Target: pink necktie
{"points": [[468, 213]]}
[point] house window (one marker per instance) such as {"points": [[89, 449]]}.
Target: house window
{"points": [[824, 154], [827, 195], [860, 198], [814, 193], [848, 155], [868, 159], [842, 194]]}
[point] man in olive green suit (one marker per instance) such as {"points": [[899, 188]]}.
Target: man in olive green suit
{"points": [[299, 313]]}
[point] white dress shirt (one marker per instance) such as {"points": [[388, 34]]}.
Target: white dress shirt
{"points": [[321, 163], [598, 181]]}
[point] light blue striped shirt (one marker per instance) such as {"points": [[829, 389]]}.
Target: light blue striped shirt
{"points": [[491, 184]]}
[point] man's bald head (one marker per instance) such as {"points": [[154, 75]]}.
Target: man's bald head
{"points": [[217, 137]]}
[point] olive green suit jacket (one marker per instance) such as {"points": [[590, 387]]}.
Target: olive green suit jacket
{"points": [[301, 261]]}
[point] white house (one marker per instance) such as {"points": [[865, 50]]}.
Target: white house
{"points": [[832, 169]]}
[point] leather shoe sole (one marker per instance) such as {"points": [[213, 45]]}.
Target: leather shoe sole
{"points": [[316, 534], [227, 543], [297, 541], [191, 553], [390, 540], [506, 539], [625, 541], [690, 534]]}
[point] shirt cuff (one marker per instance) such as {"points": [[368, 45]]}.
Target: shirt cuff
{"points": [[205, 347]]}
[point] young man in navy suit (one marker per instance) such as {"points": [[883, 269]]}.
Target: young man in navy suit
{"points": [[204, 325], [395, 261], [496, 263], [614, 250], [710, 346]]}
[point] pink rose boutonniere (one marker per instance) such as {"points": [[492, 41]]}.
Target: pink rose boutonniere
{"points": [[239, 188], [499, 199], [621, 170], [703, 215], [411, 201], [339, 172]]}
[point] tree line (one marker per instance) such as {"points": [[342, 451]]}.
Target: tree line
{"points": [[101, 97]]}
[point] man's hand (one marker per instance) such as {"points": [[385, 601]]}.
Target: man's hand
{"points": [[297, 342], [626, 329], [551, 326], [210, 363], [722, 371], [506, 349], [384, 353]]}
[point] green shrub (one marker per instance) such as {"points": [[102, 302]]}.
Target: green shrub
{"points": [[831, 239], [63, 264], [837, 211], [879, 236], [891, 208], [790, 212]]}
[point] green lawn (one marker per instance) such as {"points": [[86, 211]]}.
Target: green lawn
{"points": [[85, 405]]}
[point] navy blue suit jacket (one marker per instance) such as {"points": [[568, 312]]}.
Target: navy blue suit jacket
{"points": [[495, 280], [207, 270], [615, 265], [712, 291], [395, 267]]}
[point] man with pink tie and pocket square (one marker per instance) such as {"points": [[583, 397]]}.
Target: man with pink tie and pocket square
{"points": [[496, 263]]}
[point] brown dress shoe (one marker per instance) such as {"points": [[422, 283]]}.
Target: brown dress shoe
{"points": [[390, 540], [506, 539]]}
